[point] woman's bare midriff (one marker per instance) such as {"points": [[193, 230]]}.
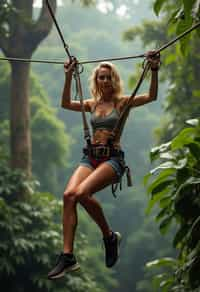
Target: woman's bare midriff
{"points": [[101, 136]]}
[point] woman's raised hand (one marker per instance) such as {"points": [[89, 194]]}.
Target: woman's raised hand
{"points": [[69, 65], [153, 57]]}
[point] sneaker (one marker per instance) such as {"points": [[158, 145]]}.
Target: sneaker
{"points": [[112, 248], [65, 263]]}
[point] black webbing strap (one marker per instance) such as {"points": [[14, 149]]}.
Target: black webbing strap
{"points": [[58, 29], [114, 188], [76, 76], [116, 133], [86, 130]]}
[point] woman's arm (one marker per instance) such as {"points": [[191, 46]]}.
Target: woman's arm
{"points": [[153, 89], [66, 101]]}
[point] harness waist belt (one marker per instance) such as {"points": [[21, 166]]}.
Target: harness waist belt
{"points": [[102, 151]]}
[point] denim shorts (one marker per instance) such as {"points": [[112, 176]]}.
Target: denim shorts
{"points": [[117, 163]]}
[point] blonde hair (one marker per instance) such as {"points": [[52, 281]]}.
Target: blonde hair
{"points": [[117, 83]]}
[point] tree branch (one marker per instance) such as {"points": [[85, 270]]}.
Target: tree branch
{"points": [[42, 27]]}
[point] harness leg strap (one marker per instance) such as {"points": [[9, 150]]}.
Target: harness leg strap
{"points": [[128, 176]]}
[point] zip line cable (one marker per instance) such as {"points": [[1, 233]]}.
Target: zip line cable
{"points": [[61, 62], [178, 37], [100, 60]]}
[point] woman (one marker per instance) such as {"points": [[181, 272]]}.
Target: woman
{"points": [[96, 171]]}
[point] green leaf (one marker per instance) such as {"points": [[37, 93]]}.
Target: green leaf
{"points": [[168, 155], [162, 213], [193, 122], [174, 16], [161, 186], [166, 284], [171, 165], [186, 136], [188, 5], [156, 198], [166, 261], [165, 174], [155, 151], [165, 165], [165, 224], [170, 59], [194, 150], [182, 175], [189, 181], [182, 26], [195, 223], [158, 5], [146, 178], [196, 9], [180, 235], [166, 202]]}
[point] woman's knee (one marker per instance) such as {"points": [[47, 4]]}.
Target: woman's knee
{"points": [[69, 197], [76, 195]]}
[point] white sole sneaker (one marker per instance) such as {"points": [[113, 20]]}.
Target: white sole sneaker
{"points": [[119, 239], [73, 268]]}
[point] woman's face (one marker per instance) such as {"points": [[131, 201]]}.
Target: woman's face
{"points": [[104, 80]]}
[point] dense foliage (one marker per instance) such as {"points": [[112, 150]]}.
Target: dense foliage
{"points": [[30, 237], [141, 242], [180, 62], [174, 184], [49, 138], [176, 190], [6, 11]]}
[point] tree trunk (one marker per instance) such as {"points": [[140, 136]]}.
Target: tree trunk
{"points": [[21, 149], [24, 37]]}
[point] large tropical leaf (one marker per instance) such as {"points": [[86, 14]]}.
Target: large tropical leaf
{"points": [[165, 224], [171, 165], [155, 151], [156, 199], [166, 261], [185, 137], [190, 181], [159, 185]]}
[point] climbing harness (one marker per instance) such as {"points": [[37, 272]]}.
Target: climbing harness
{"points": [[101, 153]]}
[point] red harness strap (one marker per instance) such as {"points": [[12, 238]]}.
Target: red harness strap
{"points": [[97, 162]]}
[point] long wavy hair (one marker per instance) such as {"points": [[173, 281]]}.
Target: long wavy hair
{"points": [[117, 83]]}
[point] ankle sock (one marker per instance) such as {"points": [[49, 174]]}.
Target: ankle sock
{"points": [[69, 255]]}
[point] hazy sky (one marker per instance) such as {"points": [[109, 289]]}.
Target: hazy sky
{"points": [[38, 3], [103, 5]]}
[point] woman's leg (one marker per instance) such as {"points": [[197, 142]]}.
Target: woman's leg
{"points": [[80, 188], [94, 209], [104, 175], [67, 261], [70, 217]]}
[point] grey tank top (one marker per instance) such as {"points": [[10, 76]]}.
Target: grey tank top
{"points": [[107, 123]]}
